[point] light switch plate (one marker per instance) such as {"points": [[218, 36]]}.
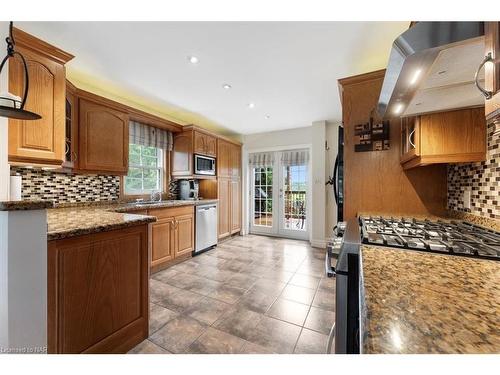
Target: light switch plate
{"points": [[467, 194]]}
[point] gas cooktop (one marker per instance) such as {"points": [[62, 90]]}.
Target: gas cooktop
{"points": [[454, 238]]}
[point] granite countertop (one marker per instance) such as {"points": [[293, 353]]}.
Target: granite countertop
{"points": [[416, 302], [25, 205], [84, 218]]}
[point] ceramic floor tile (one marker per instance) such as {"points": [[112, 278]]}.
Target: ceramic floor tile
{"points": [[311, 342], [204, 286], [242, 281], [166, 274], [148, 347], [207, 310], [305, 281], [289, 311], [159, 291], [258, 301], [158, 317], [238, 321], [178, 334], [298, 294], [327, 283], [180, 301], [227, 293], [324, 299], [320, 320], [213, 341], [275, 335]]}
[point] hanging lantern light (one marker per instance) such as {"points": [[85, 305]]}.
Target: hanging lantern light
{"points": [[12, 106]]}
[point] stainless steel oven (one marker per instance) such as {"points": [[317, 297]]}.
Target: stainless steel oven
{"points": [[204, 165]]}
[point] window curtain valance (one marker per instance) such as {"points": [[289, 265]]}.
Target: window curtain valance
{"points": [[294, 157], [145, 135], [261, 159]]}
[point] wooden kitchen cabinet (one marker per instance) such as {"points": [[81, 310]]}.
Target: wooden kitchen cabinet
{"points": [[182, 155], [446, 137], [204, 144], [235, 205], [492, 70], [103, 138], [224, 214], [71, 128], [172, 236], [38, 142], [98, 292], [229, 187]]}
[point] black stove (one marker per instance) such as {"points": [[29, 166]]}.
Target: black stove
{"points": [[454, 237]]}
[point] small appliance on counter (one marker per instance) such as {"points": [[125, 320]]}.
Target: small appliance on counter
{"points": [[15, 187], [188, 189]]}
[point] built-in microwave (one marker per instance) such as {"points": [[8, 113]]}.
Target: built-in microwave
{"points": [[204, 165]]}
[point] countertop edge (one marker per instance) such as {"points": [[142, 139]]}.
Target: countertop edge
{"points": [[70, 233], [27, 205]]}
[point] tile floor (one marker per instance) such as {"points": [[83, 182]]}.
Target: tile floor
{"points": [[251, 294]]}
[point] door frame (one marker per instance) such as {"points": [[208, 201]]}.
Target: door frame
{"points": [[249, 184]]}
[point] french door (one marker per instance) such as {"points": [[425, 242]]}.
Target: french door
{"points": [[279, 198]]}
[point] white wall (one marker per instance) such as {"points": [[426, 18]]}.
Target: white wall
{"points": [[323, 215], [4, 166]]}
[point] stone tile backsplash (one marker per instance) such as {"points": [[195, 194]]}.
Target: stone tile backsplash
{"points": [[482, 179], [67, 188]]}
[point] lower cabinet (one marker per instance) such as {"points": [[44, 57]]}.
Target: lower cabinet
{"points": [[229, 215], [98, 292], [172, 236]]}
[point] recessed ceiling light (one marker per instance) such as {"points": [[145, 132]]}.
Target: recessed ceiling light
{"points": [[226, 86], [193, 59], [251, 105], [398, 109], [268, 117]]}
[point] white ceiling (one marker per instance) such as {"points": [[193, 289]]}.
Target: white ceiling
{"points": [[288, 69]]}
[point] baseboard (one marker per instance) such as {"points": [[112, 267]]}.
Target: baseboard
{"points": [[319, 244]]}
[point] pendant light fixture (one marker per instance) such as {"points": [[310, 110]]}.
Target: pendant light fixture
{"points": [[12, 106]]}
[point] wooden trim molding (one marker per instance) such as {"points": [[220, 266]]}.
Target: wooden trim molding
{"points": [[25, 40], [134, 114], [208, 132], [358, 79]]}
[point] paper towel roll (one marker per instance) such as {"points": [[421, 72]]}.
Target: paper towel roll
{"points": [[15, 187]]}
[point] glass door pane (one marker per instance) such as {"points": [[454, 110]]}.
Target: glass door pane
{"points": [[294, 198], [263, 197]]}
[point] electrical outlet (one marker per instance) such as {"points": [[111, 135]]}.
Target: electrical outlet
{"points": [[466, 198]]}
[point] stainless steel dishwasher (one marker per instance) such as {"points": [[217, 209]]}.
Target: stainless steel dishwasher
{"points": [[206, 227]]}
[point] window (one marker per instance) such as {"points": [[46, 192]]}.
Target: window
{"points": [[263, 198], [145, 170]]}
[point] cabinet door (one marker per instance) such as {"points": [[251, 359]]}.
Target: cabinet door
{"points": [[200, 146], [98, 292], [492, 71], [182, 155], [211, 145], [162, 241], [39, 141], [184, 234], [224, 154], [103, 134], [235, 161], [235, 206], [224, 214]]}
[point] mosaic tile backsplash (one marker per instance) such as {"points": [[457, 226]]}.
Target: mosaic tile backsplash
{"points": [[482, 179], [66, 188]]}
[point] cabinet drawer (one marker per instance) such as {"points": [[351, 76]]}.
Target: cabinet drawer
{"points": [[161, 213]]}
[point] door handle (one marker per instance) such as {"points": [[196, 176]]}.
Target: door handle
{"points": [[331, 336], [487, 94], [334, 183]]}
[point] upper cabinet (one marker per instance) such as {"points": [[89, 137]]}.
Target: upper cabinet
{"points": [[103, 138], [492, 70], [445, 137], [39, 142], [192, 140], [204, 144]]}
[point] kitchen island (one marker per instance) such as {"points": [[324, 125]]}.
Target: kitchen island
{"points": [[417, 302]]}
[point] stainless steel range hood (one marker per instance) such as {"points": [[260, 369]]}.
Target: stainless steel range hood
{"points": [[431, 69]]}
